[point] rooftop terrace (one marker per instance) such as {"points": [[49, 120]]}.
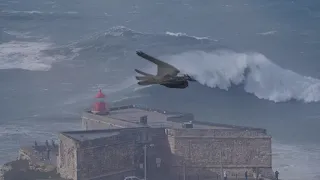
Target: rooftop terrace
{"points": [[159, 118], [90, 135]]}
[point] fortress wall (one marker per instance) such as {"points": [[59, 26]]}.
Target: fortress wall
{"points": [[88, 124], [104, 160], [94, 122], [234, 152], [120, 175], [214, 173], [238, 151], [228, 133], [105, 157], [66, 161]]}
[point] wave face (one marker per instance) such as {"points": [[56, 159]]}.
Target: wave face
{"points": [[260, 76]]}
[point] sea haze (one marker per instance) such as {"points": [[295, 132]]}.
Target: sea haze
{"points": [[256, 63]]}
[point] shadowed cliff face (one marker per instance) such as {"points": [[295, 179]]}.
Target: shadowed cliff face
{"points": [[21, 170]]}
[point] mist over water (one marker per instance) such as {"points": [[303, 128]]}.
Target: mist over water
{"points": [[255, 63]]}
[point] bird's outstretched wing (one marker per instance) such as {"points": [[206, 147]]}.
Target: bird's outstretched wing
{"points": [[163, 67]]}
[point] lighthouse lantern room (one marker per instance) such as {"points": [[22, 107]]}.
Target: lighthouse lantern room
{"points": [[100, 107]]}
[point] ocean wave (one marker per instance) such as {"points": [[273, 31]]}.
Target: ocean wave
{"points": [[37, 12], [16, 34], [26, 55], [259, 75], [39, 15], [185, 35], [217, 69], [118, 39], [267, 33], [122, 31]]}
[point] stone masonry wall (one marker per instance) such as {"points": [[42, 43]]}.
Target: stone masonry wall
{"points": [[238, 151], [95, 122], [235, 152], [228, 133], [103, 156], [194, 173], [66, 161], [89, 124]]}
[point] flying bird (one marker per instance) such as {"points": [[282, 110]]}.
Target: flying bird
{"points": [[167, 75]]}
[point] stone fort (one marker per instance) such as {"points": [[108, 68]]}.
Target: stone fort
{"points": [[116, 143]]}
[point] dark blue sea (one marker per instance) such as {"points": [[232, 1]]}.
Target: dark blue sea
{"points": [[257, 63]]}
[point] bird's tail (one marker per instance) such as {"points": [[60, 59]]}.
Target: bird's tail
{"points": [[143, 73], [147, 79], [144, 83], [142, 78]]}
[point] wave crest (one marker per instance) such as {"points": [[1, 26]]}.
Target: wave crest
{"points": [[258, 74], [126, 34], [186, 35]]}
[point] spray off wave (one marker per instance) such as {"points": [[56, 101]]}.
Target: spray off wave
{"points": [[258, 74]]}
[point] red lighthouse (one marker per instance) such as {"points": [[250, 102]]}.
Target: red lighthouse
{"points": [[100, 107]]}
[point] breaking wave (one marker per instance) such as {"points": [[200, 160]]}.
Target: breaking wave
{"points": [[259, 75], [26, 55], [211, 67]]}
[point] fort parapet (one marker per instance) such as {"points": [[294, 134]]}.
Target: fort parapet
{"points": [[111, 147]]}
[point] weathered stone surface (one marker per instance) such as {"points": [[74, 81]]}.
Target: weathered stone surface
{"points": [[235, 152], [96, 161], [66, 162], [217, 133], [205, 154]]}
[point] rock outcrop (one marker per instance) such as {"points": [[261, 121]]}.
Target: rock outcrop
{"points": [[23, 170]]}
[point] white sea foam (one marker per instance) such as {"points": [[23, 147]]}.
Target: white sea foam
{"points": [[17, 34], [267, 33], [260, 76], [185, 35], [26, 55], [37, 12]]}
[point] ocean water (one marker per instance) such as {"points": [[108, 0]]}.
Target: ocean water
{"points": [[256, 62]]}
